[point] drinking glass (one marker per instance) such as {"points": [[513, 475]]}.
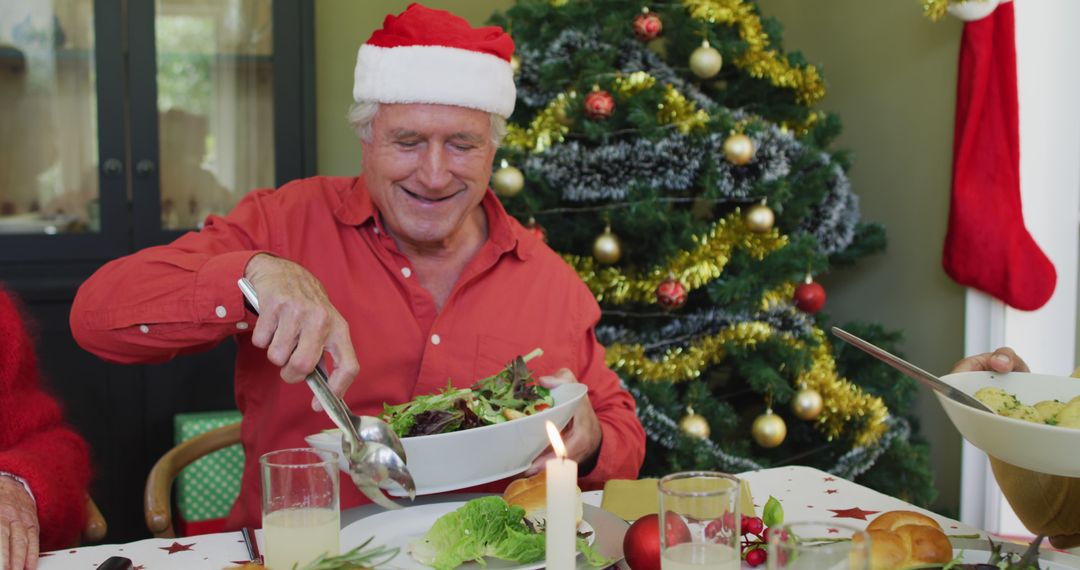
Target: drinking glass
{"points": [[821, 545], [699, 528], [300, 515]]}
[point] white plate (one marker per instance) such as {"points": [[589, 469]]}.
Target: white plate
{"points": [[975, 551], [462, 459], [1038, 447], [397, 529]]}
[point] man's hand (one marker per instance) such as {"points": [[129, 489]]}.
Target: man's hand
{"points": [[582, 435], [297, 322], [1001, 360], [18, 526]]}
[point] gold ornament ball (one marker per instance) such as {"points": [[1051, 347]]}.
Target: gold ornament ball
{"points": [[515, 64], [557, 3], [769, 429], [695, 425], [738, 149], [807, 404], [760, 218], [706, 61], [606, 248], [508, 181]]}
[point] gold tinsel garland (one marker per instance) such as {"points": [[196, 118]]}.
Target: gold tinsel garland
{"points": [[844, 401], [547, 127], [934, 9], [758, 60], [627, 86], [694, 268], [677, 110]]}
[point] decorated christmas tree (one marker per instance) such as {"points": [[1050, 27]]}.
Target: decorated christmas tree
{"points": [[675, 156]]}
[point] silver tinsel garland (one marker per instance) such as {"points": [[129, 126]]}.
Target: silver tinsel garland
{"points": [[832, 222]]}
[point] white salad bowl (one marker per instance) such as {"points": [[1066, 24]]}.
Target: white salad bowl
{"points": [[458, 460], [1038, 447]]}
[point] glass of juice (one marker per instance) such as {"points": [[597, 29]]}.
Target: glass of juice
{"points": [[699, 521], [300, 516], [818, 545]]}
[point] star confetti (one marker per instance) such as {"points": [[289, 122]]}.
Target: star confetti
{"points": [[852, 513], [830, 491], [177, 547]]}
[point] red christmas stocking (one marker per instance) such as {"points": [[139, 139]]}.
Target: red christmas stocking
{"points": [[987, 246]]}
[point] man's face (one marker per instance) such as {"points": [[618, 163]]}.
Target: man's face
{"points": [[427, 168]]}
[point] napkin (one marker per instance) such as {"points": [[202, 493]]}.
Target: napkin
{"points": [[633, 499]]}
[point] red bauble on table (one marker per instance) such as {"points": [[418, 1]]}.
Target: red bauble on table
{"points": [[810, 297], [671, 294], [599, 105], [647, 26], [641, 545]]}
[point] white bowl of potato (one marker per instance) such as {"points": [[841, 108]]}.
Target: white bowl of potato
{"points": [[1038, 424]]}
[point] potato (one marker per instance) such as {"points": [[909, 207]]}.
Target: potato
{"points": [[1049, 409], [1069, 416], [997, 399], [1074, 400], [1026, 413]]}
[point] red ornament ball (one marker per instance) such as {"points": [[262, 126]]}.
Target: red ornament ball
{"points": [[537, 230], [810, 297], [599, 105], [671, 294], [647, 26], [641, 545]]}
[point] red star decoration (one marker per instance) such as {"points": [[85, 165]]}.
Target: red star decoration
{"points": [[44, 554], [140, 566], [177, 547], [834, 531], [831, 491], [852, 513], [830, 479]]}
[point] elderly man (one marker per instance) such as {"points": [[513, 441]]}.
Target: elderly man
{"points": [[407, 276]]}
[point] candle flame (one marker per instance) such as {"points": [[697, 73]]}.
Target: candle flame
{"points": [[556, 440]]}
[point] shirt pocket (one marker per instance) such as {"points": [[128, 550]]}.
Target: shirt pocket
{"points": [[493, 353]]}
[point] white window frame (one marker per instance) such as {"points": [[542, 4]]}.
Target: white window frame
{"points": [[1050, 190]]}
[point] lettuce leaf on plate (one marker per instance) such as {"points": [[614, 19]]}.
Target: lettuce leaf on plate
{"points": [[486, 527]]}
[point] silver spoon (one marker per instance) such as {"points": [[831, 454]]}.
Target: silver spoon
{"points": [[925, 378], [371, 461]]}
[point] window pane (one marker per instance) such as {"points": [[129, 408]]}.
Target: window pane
{"points": [[215, 104], [48, 117]]}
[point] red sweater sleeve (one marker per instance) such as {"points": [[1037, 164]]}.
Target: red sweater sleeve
{"points": [[34, 442], [622, 449], [182, 297]]}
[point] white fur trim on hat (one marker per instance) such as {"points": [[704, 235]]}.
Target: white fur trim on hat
{"points": [[435, 74]]}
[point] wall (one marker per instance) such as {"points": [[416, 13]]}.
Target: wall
{"points": [[340, 27], [891, 76]]}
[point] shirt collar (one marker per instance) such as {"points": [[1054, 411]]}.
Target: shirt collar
{"points": [[504, 232]]}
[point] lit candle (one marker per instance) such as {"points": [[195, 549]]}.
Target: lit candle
{"points": [[561, 506]]}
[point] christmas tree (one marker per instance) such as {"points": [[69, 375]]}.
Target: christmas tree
{"points": [[675, 157]]}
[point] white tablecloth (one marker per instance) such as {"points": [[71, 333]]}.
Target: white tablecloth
{"points": [[805, 493]]}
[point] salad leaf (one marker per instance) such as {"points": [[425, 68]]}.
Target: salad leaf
{"points": [[773, 513]]}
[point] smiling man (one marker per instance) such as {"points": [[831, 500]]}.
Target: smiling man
{"points": [[407, 276]]}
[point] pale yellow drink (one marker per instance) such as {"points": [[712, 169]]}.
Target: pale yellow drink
{"points": [[698, 556], [298, 536]]}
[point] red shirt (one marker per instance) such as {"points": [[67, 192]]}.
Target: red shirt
{"points": [[515, 295]]}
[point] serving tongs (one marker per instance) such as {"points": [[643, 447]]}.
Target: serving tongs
{"points": [[374, 452], [925, 378]]}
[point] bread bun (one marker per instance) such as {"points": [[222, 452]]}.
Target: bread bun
{"points": [[903, 539], [531, 494]]}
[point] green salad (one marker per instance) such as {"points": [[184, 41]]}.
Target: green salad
{"points": [[508, 395], [487, 527]]}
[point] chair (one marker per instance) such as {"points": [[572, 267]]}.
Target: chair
{"points": [[95, 528], [157, 506]]}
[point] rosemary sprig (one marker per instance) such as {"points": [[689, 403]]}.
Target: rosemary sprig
{"points": [[354, 559]]}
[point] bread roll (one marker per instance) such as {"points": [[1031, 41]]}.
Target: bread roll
{"points": [[903, 539], [531, 494]]}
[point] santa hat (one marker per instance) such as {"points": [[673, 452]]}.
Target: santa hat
{"points": [[433, 56]]}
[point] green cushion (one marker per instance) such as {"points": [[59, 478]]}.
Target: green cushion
{"points": [[207, 488]]}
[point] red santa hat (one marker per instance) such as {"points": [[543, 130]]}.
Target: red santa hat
{"points": [[433, 56]]}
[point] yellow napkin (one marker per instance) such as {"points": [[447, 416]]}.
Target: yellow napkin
{"points": [[631, 500]]}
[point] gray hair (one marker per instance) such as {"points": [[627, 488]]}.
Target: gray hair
{"points": [[362, 114]]}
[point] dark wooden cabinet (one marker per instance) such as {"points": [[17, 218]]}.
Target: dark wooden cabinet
{"points": [[126, 412]]}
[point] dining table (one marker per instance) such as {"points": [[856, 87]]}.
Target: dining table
{"points": [[805, 493]]}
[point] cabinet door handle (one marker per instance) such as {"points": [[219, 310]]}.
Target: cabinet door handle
{"points": [[144, 168], [113, 167]]}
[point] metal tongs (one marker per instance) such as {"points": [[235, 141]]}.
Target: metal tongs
{"points": [[374, 452]]}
